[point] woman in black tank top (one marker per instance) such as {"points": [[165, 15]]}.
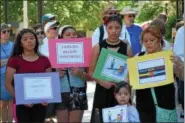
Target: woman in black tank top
{"points": [[152, 40], [104, 93]]}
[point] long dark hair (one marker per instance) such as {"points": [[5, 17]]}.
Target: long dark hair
{"points": [[123, 84], [18, 49]]}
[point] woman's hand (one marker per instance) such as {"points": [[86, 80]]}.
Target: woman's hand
{"points": [[28, 105], [177, 61], [76, 72], [44, 103], [107, 85], [61, 72]]}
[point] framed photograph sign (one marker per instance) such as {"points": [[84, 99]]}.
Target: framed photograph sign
{"points": [[111, 66], [151, 70]]}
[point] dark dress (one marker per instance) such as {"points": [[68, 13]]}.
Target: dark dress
{"points": [[145, 105], [103, 97]]}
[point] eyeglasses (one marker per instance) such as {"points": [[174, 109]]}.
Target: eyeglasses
{"points": [[131, 16], [40, 32], [5, 31]]}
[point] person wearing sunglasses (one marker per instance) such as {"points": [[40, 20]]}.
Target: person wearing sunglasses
{"points": [[39, 32], [100, 32], [50, 30], [6, 100], [134, 30]]}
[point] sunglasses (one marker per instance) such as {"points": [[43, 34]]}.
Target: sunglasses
{"points": [[131, 16], [5, 31], [40, 33], [112, 13]]}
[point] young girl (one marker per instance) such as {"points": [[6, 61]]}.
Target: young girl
{"points": [[26, 59], [123, 96], [73, 90]]}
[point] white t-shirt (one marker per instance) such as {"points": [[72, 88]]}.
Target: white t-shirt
{"points": [[96, 34], [179, 43], [44, 48]]}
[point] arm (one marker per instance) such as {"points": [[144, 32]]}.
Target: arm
{"points": [[4, 62], [129, 51], [9, 79], [95, 36]]}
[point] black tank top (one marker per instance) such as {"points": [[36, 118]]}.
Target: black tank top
{"points": [[122, 47]]}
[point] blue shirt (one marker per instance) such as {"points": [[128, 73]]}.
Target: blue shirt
{"points": [[135, 32], [74, 82], [6, 50]]}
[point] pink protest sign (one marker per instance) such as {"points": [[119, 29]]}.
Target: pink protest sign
{"points": [[74, 52]]}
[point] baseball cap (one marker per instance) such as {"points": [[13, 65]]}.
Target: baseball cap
{"points": [[46, 17], [5, 26], [50, 25]]}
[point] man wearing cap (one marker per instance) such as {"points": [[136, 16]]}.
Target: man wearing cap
{"points": [[50, 30], [100, 33], [6, 101], [134, 30], [48, 18]]}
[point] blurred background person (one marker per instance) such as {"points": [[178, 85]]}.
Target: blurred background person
{"points": [[6, 100], [134, 30]]}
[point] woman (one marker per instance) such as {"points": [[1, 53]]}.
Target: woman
{"points": [[6, 101], [153, 41], [73, 90], [104, 93], [26, 59]]}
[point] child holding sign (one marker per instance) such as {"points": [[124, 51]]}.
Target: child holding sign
{"points": [[26, 59], [73, 90], [123, 96]]}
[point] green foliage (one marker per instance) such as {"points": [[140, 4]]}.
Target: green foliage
{"points": [[150, 10], [170, 24]]}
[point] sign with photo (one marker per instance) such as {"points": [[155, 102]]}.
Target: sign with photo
{"points": [[115, 114], [74, 52], [150, 70], [111, 66]]}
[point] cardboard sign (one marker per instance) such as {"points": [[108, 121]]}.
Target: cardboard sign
{"points": [[111, 66], [115, 114], [65, 53], [151, 70], [34, 88]]}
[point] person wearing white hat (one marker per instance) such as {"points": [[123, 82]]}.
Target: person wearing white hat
{"points": [[50, 30], [134, 30], [100, 32]]}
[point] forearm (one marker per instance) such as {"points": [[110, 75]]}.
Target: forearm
{"points": [[4, 62], [10, 89]]}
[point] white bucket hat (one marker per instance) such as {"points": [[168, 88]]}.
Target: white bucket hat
{"points": [[128, 10]]}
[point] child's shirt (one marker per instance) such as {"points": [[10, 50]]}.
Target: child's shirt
{"points": [[133, 115]]}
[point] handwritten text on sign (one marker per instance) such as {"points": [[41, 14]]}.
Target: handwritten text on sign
{"points": [[70, 52], [37, 88]]}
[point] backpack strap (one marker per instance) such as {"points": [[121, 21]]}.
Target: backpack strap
{"points": [[154, 96], [101, 28]]}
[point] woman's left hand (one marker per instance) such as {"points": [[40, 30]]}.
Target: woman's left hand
{"points": [[176, 60], [76, 71], [44, 103]]}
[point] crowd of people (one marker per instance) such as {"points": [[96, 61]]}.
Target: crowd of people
{"points": [[30, 51]]}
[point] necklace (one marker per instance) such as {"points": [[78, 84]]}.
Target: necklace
{"points": [[113, 45]]}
